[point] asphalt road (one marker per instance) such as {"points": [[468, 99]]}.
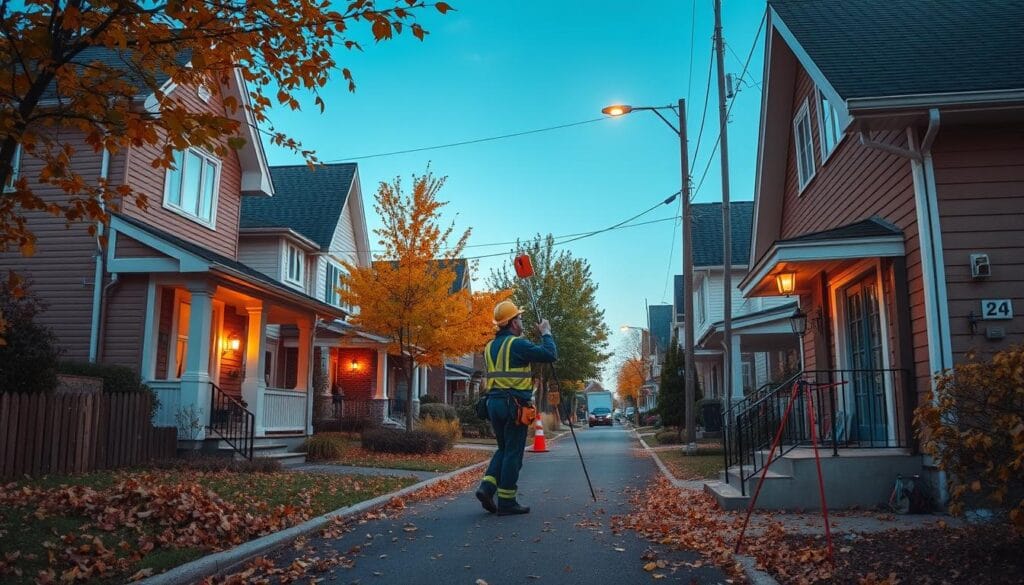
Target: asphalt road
{"points": [[565, 539]]}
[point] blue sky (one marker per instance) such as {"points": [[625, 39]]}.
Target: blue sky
{"points": [[496, 68]]}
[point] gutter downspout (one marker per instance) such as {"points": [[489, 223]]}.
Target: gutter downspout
{"points": [[97, 286], [932, 260]]}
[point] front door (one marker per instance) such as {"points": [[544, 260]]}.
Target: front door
{"points": [[864, 342]]}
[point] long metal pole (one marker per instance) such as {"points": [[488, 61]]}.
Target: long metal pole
{"points": [[688, 361], [723, 116]]}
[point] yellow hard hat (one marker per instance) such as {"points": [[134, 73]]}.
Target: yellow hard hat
{"points": [[505, 311]]}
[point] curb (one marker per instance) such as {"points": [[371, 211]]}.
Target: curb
{"points": [[223, 561], [749, 564]]}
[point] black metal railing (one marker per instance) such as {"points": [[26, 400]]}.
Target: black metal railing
{"points": [[232, 422], [851, 409]]}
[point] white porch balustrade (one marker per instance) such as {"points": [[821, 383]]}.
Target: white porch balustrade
{"points": [[284, 410]]}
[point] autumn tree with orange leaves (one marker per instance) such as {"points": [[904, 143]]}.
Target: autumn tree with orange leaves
{"points": [[630, 378], [78, 71], [406, 294]]}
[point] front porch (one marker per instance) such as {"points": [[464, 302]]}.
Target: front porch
{"points": [[857, 420]]}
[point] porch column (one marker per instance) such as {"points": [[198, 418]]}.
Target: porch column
{"points": [[254, 385], [381, 391], [195, 380], [736, 368], [303, 370]]}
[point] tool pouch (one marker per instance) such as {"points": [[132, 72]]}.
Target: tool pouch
{"points": [[525, 414]]}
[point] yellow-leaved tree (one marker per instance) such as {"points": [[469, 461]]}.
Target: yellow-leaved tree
{"points": [[407, 294], [630, 378]]}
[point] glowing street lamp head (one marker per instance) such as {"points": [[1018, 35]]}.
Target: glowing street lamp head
{"points": [[617, 110]]}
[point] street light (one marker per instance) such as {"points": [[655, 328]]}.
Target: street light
{"points": [[616, 110], [798, 321]]}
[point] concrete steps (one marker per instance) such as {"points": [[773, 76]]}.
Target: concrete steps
{"points": [[857, 478], [266, 448]]}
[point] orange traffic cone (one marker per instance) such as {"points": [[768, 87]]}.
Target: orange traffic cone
{"points": [[539, 445]]}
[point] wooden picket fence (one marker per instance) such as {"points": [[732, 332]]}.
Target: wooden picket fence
{"points": [[60, 433]]}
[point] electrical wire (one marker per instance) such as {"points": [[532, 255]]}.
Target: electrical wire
{"points": [[704, 112], [689, 66], [626, 223], [718, 140], [672, 252], [467, 142]]}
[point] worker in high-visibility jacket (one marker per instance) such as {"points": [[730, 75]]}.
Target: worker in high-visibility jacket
{"points": [[510, 384]]}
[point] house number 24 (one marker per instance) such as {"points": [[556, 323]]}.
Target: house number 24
{"points": [[996, 309]]}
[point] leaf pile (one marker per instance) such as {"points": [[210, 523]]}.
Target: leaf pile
{"points": [[115, 527], [353, 454], [691, 520]]}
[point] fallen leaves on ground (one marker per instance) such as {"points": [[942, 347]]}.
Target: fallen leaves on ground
{"points": [[450, 460], [936, 554], [119, 525]]}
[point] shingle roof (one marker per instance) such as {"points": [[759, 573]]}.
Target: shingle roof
{"points": [[868, 228], [250, 273], [707, 233], [876, 48], [306, 200], [659, 321], [117, 60]]}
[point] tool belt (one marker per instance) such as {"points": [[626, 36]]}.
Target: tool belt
{"points": [[524, 413]]}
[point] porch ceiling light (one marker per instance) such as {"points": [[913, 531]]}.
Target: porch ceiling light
{"points": [[798, 321], [786, 283], [232, 343]]}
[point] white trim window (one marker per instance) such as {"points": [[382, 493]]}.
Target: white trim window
{"points": [[15, 168], [192, 186], [332, 283], [804, 146], [295, 263], [828, 126]]}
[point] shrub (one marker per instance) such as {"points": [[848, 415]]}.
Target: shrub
{"points": [[325, 446], [975, 430], [450, 429], [438, 411], [28, 356], [668, 438], [116, 379], [399, 441], [429, 399], [651, 420], [471, 423]]}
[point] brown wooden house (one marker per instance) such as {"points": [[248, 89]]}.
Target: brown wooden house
{"points": [[889, 190]]}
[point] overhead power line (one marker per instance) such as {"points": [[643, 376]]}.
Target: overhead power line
{"points": [[466, 142]]}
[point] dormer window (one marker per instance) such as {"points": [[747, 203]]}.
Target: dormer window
{"points": [[295, 261], [191, 187], [15, 165], [804, 146]]}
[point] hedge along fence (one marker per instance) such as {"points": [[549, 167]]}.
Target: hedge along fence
{"points": [[58, 433]]}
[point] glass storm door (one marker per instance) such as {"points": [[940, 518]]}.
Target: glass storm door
{"points": [[864, 340]]}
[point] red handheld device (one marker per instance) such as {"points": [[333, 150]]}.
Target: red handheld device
{"points": [[524, 268]]}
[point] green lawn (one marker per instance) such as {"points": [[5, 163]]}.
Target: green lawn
{"points": [[706, 464], [57, 526]]}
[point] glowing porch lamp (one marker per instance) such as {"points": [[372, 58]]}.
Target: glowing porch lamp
{"points": [[786, 283]]}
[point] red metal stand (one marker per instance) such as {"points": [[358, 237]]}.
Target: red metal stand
{"points": [[799, 386]]}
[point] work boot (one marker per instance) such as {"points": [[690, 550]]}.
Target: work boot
{"points": [[512, 509], [485, 493]]}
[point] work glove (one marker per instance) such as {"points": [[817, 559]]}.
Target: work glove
{"points": [[544, 327]]}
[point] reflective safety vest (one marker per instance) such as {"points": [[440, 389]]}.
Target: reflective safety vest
{"points": [[501, 374]]}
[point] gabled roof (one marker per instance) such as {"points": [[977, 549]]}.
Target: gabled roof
{"points": [[117, 60], [708, 232], [233, 266], [876, 48], [307, 200], [659, 322]]}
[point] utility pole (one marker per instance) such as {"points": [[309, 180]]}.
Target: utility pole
{"points": [[688, 361], [723, 119]]}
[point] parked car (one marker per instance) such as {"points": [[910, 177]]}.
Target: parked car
{"points": [[630, 412], [600, 416]]}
